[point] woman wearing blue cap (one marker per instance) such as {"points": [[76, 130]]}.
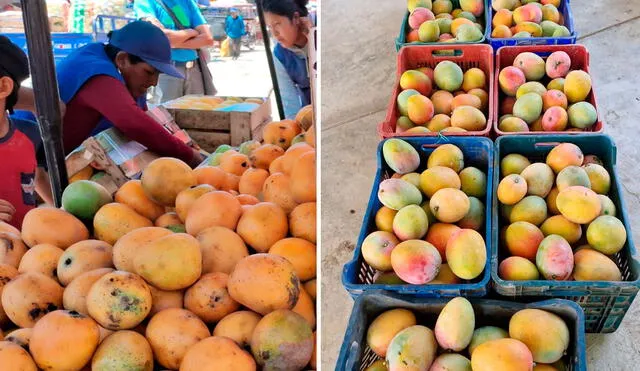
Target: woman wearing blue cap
{"points": [[108, 83], [289, 23]]}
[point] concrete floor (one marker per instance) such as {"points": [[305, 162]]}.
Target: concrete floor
{"points": [[358, 64]]}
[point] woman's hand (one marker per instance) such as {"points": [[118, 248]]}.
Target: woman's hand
{"points": [[197, 159], [6, 211]]}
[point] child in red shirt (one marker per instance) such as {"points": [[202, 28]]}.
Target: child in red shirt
{"points": [[21, 152]]}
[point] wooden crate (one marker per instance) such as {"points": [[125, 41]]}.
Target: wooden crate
{"points": [[231, 125]]}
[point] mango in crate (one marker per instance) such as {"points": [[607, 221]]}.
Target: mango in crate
{"points": [[400, 156], [455, 325], [386, 326], [544, 333], [502, 355], [414, 347]]}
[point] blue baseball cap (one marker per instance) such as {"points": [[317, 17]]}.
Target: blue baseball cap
{"points": [[149, 43]]}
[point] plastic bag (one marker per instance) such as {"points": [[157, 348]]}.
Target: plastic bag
{"points": [[225, 51]]}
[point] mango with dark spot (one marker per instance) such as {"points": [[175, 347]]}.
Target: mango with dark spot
{"points": [[7, 273], [281, 133], [12, 249], [21, 336], [30, 296], [282, 340], [264, 283], [119, 300], [83, 257], [209, 299]]}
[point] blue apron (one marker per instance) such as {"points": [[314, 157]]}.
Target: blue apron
{"points": [[79, 67]]}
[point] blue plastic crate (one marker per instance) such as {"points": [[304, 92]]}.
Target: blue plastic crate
{"points": [[62, 44], [103, 24], [404, 29], [565, 9], [356, 355], [358, 276], [605, 303]]}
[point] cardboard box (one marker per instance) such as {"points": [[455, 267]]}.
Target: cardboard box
{"points": [[233, 124]]}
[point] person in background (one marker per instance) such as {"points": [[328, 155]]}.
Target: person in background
{"points": [[289, 23], [192, 34], [235, 29], [109, 82], [23, 162]]}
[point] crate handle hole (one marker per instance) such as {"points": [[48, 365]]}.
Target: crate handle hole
{"points": [[426, 146], [547, 144], [446, 53]]}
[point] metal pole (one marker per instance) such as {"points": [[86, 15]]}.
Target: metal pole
{"points": [[43, 75], [272, 67]]}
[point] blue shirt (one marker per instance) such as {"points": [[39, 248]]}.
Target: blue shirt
{"points": [[234, 27], [187, 13]]}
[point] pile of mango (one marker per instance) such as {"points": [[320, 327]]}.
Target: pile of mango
{"points": [[205, 269], [529, 105], [438, 21], [428, 226], [561, 225], [455, 343], [442, 99], [536, 18]]}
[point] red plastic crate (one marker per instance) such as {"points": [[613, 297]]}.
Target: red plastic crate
{"points": [[413, 57], [579, 61]]}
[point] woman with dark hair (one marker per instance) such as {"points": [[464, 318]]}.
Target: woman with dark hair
{"points": [[289, 22], [104, 85]]}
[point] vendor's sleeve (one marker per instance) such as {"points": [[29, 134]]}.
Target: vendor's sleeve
{"points": [[112, 99], [195, 15]]}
